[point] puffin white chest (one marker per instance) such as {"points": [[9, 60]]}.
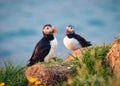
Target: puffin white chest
{"points": [[53, 45], [71, 43]]}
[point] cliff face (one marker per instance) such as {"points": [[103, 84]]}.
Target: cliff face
{"points": [[94, 60], [77, 54], [47, 75], [113, 57]]}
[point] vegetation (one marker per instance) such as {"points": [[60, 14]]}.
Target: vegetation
{"points": [[117, 39], [91, 70], [12, 75]]}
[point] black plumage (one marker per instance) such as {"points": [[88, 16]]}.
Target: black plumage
{"points": [[79, 38], [41, 50]]}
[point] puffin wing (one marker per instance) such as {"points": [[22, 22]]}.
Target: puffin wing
{"points": [[82, 41], [41, 50]]}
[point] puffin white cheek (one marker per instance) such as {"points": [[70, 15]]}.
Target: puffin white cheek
{"points": [[67, 27], [46, 31], [71, 30]]}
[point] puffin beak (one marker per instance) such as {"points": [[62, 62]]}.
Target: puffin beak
{"points": [[67, 31], [55, 31]]}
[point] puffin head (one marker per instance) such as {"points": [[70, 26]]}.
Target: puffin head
{"points": [[48, 30], [70, 29]]}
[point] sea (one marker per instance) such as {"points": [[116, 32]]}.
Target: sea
{"points": [[21, 23]]}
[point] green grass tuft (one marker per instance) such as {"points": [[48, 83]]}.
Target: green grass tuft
{"points": [[95, 60], [12, 75]]}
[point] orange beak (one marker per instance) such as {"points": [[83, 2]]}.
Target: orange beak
{"points": [[67, 31], [55, 31]]}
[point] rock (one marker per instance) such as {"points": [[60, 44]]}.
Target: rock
{"points": [[49, 76], [113, 57], [76, 54]]}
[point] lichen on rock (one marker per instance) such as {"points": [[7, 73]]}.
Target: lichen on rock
{"points": [[48, 75]]}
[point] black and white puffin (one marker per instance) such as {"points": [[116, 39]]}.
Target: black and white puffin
{"points": [[73, 41], [45, 47]]}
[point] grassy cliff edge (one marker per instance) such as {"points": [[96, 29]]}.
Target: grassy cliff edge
{"points": [[91, 70]]}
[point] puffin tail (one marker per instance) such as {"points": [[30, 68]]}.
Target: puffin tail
{"points": [[89, 43], [30, 63]]}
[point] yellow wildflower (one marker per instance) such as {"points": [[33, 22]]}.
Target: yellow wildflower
{"points": [[32, 80], [37, 83], [69, 81], [2, 84]]}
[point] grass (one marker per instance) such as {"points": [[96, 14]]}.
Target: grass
{"points": [[95, 60], [12, 75], [91, 70], [117, 39]]}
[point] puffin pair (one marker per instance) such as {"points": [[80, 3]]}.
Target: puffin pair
{"points": [[47, 45]]}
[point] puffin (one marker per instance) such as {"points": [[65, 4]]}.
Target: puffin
{"points": [[73, 41], [45, 47]]}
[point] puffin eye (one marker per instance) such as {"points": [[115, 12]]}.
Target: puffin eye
{"points": [[47, 28]]}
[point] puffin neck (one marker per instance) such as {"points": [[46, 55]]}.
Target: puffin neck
{"points": [[71, 35], [49, 36]]}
